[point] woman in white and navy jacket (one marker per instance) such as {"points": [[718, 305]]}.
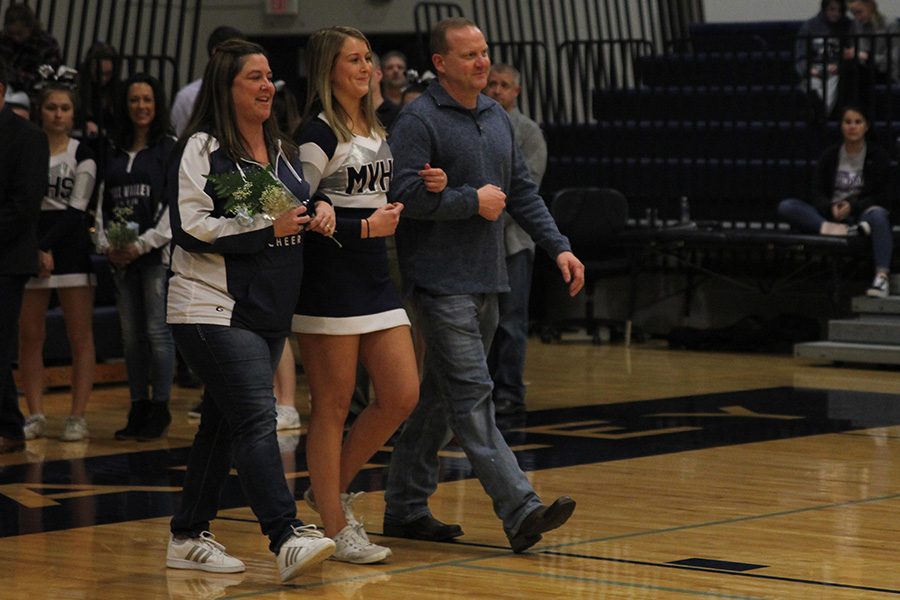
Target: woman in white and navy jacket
{"points": [[233, 288]]}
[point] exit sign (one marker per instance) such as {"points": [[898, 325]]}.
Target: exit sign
{"points": [[282, 7]]}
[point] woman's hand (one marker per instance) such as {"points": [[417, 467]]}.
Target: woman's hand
{"points": [[122, 257], [435, 179], [383, 222], [325, 221], [840, 210], [45, 264], [290, 222]]}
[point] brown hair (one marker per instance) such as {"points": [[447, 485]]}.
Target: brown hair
{"points": [[214, 111], [439, 32]]}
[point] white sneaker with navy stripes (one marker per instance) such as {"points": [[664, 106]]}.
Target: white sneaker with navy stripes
{"points": [[202, 553], [305, 548]]}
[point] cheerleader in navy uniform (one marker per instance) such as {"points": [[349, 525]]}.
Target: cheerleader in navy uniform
{"points": [[348, 309], [133, 208], [65, 264]]}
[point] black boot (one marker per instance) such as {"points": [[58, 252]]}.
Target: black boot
{"points": [[158, 419], [137, 416]]}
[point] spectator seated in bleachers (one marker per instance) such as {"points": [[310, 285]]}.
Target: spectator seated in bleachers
{"points": [[98, 84], [873, 48], [26, 46], [850, 195]]}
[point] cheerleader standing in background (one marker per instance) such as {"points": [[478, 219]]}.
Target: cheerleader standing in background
{"points": [[65, 266], [349, 309]]}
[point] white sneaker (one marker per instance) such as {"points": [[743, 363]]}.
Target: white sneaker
{"points": [[34, 426], [305, 548], [880, 287], [203, 553], [286, 417], [346, 504], [74, 430], [354, 548]]}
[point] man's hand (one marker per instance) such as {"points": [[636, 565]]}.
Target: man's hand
{"points": [[491, 202], [572, 271]]}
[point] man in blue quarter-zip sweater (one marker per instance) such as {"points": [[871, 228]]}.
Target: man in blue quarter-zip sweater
{"points": [[453, 260]]}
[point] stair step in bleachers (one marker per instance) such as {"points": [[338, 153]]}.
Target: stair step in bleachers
{"points": [[873, 337], [878, 354], [882, 330], [875, 306]]}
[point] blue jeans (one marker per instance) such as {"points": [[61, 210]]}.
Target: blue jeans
{"points": [[506, 359], [11, 419], [149, 349], [237, 424], [455, 396], [804, 217]]}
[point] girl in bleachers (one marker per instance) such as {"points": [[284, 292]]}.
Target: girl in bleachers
{"points": [[819, 52], [873, 49], [850, 192], [65, 264], [98, 85]]}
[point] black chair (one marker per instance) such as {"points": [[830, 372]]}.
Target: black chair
{"points": [[590, 217]]}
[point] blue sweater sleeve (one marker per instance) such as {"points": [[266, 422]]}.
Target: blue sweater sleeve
{"points": [[530, 211], [413, 144]]}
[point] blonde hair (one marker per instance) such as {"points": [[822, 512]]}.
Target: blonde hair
{"points": [[877, 18], [323, 51]]}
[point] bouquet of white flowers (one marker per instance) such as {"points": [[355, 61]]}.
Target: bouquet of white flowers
{"points": [[122, 231], [252, 192], [256, 191]]}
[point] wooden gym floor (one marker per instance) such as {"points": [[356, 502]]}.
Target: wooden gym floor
{"points": [[697, 475]]}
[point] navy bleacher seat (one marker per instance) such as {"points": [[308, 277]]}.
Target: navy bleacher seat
{"points": [[729, 37]]}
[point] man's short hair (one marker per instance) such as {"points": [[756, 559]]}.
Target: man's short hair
{"points": [[439, 32], [392, 54], [506, 68], [221, 35]]}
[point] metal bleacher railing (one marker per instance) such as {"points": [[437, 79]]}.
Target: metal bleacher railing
{"points": [[545, 39]]}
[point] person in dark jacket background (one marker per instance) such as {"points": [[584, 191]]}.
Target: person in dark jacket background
{"points": [[819, 51], [24, 166], [133, 193]]}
